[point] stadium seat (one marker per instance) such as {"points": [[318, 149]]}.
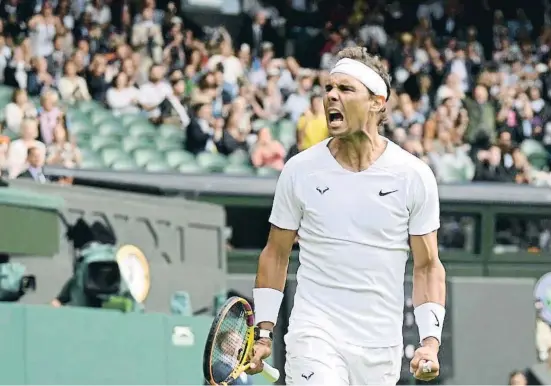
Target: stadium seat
{"points": [[266, 172], [190, 168], [81, 126], [88, 106], [239, 157], [262, 123], [175, 158], [239, 170], [139, 129], [128, 119], [112, 127], [166, 144], [92, 163], [97, 117], [98, 142], [536, 153], [124, 164], [111, 154], [6, 92], [286, 133], [129, 144], [171, 131], [145, 156], [212, 162], [157, 165]]}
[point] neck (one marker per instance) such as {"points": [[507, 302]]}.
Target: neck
{"points": [[359, 150]]}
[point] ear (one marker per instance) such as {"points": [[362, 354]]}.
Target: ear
{"points": [[377, 103]]}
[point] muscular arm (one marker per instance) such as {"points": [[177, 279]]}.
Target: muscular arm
{"points": [[274, 261], [429, 275]]}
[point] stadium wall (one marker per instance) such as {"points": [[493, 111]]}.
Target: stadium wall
{"points": [[183, 242]]}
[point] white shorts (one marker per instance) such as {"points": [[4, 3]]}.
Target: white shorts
{"points": [[312, 360]]}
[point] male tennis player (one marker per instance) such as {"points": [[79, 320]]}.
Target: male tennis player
{"points": [[359, 203]]}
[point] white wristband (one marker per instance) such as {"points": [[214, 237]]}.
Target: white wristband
{"points": [[430, 320], [266, 304]]}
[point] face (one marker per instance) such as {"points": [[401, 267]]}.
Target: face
{"points": [[71, 69], [35, 158], [348, 105], [21, 98], [30, 130], [122, 80]]}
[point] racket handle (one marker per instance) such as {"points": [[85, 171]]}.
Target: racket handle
{"points": [[270, 373]]}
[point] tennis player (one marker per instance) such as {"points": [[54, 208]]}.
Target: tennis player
{"points": [[359, 204]]}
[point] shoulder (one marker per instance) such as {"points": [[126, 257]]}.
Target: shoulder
{"points": [[308, 160], [410, 166]]}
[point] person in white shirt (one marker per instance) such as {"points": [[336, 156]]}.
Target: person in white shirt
{"points": [[153, 93], [357, 202]]}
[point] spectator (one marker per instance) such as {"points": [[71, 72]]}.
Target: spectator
{"points": [[19, 108], [72, 87], [299, 101], [147, 37], [39, 78], [153, 93], [4, 146], [34, 166], [18, 150], [268, 152], [96, 78], [200, 131], [61, 152], [313, 123], [173, 110], [233, 138], [42, 28], [121, 97], [15, 73], [48, 116], [489, 166], [517, 378]]}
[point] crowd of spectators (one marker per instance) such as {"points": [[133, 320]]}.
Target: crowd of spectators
{"points": [[469, 92]]}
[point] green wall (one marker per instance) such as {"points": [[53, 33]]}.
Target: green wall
{"points": [[45, 345]]}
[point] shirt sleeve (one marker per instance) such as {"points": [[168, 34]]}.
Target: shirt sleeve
{"points": [[424, 204], [286, 209]]}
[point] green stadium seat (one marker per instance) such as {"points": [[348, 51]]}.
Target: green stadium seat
{"points": [[111, 154], [81, 126], [212, 162], [129, 119], [145, 156], [262, 123], [99, 142], [239, 170], [112, 127], [175, 158], [139, 129], [266, 172], [6, 91], [239, 157], [88, 106], [92, 163], [190, 168], [157, 166], [129, 144], [124, 164], [166, 144], [536, 153], [171, 131], [286, 133], [99, 116]]}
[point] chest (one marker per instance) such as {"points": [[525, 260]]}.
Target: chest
{"points": [[370, 203]]}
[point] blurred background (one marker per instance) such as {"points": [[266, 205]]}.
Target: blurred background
{"points": [[140, 144]]}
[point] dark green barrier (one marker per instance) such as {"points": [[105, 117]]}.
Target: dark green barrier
{"points": [[76, 346]]}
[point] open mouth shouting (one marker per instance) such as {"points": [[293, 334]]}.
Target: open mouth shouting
{"points": [[336, 118]]}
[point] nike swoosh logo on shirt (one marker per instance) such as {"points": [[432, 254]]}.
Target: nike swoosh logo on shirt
{"points": [[381, 193], [437, 324]]}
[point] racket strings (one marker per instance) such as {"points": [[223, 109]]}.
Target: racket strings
{"points": [[230, 343]]}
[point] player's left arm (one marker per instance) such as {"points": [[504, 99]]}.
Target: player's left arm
{"points": [[429, 275]]}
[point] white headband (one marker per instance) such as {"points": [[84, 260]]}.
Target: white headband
{"points": [[369, 78]]}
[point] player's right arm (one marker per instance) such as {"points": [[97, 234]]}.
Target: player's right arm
{"points": [[274, 261]]}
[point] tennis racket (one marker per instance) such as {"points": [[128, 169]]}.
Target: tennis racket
{"points": [[230, 343]]}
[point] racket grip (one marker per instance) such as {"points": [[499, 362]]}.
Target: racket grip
{"points": [[270, 373]]}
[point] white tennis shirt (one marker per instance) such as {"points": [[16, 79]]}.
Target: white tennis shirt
{"points": [[353, 234]]}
